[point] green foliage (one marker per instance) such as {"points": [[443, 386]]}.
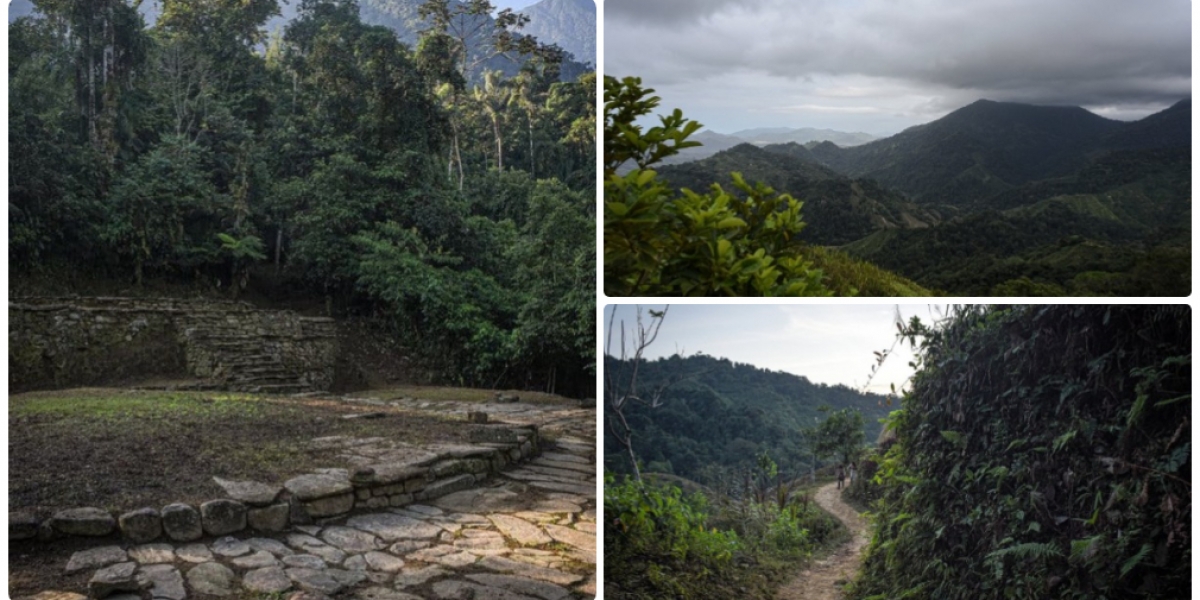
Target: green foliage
{"points": [[664, 544], [840, 436], [1043, 453], [658, 242]]}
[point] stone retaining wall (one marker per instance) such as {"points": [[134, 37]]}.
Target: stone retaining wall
{"points": [[323, 495], [58, 342]]}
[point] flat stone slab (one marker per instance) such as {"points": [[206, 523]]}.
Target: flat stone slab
{"points": [[304, 561], [393, 527], [388, 473], [267, 580], [567, 474], [571, 458], [585, 468], [311, 545], [417, 577], [113, 578], [350, 540], [481, 500], [89, 521], [194, 553], [522, 585], [453, 589], [428, 511], [149, 554], [579, 539], [383, 562], [587, 491], [313, 580], [230, 546], [444, 555], [505, 565], [249, 492], [211, 578], [94, 558], [260, 559], [404, 547], [165, 582], [318, 485], [523, 532], [557, 506], [273, 546]]}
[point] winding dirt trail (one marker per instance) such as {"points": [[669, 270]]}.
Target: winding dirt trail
{"points": [[823, 580]]}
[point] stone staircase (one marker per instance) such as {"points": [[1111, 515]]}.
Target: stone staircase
{"points": [[259, 351]]}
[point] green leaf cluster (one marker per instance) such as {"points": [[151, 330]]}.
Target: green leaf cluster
{"points": [[661, 242]]}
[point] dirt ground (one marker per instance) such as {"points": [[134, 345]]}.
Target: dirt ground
{"points": [[824, 579], [122, 449]]}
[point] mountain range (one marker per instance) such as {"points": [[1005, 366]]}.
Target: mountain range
{"points": [[989, 147], [995, 198], [715, 142]]}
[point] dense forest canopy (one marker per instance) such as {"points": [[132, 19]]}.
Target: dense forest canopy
{"points": [[717, 416], [381, 178]]}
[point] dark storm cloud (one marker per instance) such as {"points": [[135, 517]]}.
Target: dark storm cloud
{"points": [[1112, 53]]}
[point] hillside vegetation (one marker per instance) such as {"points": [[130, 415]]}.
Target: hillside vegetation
{"points": [[1044, 452], [718, 416]]}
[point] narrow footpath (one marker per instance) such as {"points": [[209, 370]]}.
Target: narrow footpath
{"points": [[825, 578]]}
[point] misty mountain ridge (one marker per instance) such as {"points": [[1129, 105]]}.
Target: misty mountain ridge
{"points": [[714, 142], [782, 135], [570, 24]]}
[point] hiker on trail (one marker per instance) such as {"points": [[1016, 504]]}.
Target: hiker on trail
{"points": [[853, 473], [841, 473]]}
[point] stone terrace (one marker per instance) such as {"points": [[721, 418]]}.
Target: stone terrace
{"points": [[528, 532]]}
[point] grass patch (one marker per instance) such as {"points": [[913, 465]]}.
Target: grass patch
{"points": [[123, 450]]}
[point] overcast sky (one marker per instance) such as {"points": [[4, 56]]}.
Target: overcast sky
{"points": [[879, 66], [828, 344]]}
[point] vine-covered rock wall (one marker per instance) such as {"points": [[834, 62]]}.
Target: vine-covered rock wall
{"points": [[1044, 452]]}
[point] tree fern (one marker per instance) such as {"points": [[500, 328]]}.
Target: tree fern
{"points": [[1135, 559]]}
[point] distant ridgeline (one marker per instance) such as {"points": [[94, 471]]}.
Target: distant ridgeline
{"points": [[996, 199], [719, 415], [561, 22]]}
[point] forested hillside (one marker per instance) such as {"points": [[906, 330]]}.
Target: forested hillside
{"points": [[717, 416], [332, 162], [1043, 452], [838, 210], [994, 199]]}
